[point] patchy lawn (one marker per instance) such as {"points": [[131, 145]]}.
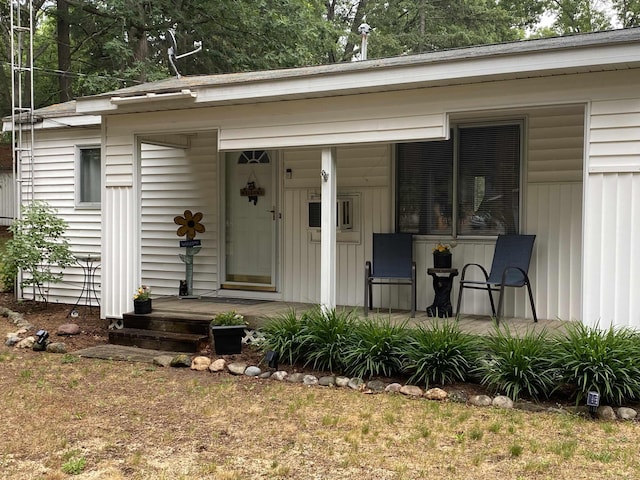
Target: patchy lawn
{"points": [[65, 417]]}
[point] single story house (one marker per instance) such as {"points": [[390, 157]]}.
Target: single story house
{"points": [[538, 136]]}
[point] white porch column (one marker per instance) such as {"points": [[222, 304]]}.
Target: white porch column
{"points": [[328, 230]]}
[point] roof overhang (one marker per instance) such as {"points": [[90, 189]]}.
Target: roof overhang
{"points": [[593, 52]]}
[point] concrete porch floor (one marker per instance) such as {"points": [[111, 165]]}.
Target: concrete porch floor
{"points": [[256, 311]]}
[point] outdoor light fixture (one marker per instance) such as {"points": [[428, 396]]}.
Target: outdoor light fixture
{"points": [[271, 358], [42, 336], [593, 402]]}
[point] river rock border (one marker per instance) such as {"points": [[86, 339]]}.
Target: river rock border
{"points": [[202, 363], [205, 364]]}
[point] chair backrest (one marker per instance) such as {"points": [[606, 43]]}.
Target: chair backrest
{"points": [[392, 255], [511, 251]]}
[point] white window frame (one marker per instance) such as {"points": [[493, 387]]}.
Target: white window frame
{"points": [[79, 177]]}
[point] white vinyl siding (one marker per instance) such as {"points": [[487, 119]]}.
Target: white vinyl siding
{"points": [[612, 230], [54, 181], [7, 198], [174, 180]]}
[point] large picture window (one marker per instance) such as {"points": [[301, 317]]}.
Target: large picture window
{"points": [[88, 176], [468, 185]]}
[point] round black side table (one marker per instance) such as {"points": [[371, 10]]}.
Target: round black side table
{"points": [[442, 285]]}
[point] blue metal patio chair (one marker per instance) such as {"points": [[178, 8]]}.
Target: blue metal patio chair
{"points": [[509, 268], [392, 265]]}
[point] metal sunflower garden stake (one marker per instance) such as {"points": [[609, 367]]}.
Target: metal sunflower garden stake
{"points": [[189, 226]]}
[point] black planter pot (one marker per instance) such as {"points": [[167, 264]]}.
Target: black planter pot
{"points": [[441, 260], [227, 339], [142, 307]]}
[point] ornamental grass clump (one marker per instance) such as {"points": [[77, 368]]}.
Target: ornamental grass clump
{"points": [[324, 336], [604, 361], [519, 365], [375, 347], [282, 335], [441, 353]]}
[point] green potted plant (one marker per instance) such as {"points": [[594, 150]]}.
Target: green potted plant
{"points": [[142, 300], [227, 331]]}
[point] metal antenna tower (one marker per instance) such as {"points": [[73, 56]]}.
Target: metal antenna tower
{"points": [[22, 100]]}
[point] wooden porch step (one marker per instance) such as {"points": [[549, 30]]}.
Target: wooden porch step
{"points": [[168, 322], [158, 340]]}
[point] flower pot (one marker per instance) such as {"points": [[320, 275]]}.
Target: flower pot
{"points": [[142, 307], [227, 339], [441, 260]]}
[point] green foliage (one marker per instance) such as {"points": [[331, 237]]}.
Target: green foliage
{"points": [[228, 319], [282, 335], [38, 246], [605, 361], [74, 465], [324, 336], [518, 365], [441, 353], [375, 347], [8, 270]]}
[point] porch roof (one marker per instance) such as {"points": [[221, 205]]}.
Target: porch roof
{"points": [[598, 51]]}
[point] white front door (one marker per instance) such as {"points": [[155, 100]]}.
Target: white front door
{"points": [[250, 221]]}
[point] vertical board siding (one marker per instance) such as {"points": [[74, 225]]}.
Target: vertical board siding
{"points": [[612, 263], [362, 170], [554, 214], [174, 180], [54, 182], [120, 242], [612, 230]]}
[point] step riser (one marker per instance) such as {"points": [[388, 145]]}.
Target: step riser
{"points": [[155, 340], [165, 324]]}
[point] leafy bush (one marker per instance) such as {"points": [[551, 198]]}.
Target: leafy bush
{"points": [[517, 365], [282, 335], [605, 361], [38, 246], [441, 353], [8, 270], [324, 336], [375, 347]]}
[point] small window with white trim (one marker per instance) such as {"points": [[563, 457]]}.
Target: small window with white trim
{"points": [[88, 177]]}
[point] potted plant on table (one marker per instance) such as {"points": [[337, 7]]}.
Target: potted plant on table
{"points": [[227, 331], [142, 300], [442, 256]]}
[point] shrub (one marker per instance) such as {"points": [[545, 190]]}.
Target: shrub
{"points": [[441, 353], [605, 361], [375, 347], [38, 245], [282, 335], [323, 337], [517, 365], [8, 270]]}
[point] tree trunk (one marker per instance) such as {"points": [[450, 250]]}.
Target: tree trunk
{"points": [[64, 51]]}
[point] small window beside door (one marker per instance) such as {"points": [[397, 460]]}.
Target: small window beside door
{"points": [[88, 192]]}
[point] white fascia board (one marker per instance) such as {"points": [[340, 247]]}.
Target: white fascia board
{"points": [[95, 104], [59, 122], [531, 64]]}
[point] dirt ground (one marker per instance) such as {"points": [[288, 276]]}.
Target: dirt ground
{"points": [[68, 417], [50, 317]]}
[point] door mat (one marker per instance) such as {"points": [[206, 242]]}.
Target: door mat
{"points": [[237, 301]]}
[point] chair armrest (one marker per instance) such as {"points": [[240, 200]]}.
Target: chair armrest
{"points": [[464, 271]]}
